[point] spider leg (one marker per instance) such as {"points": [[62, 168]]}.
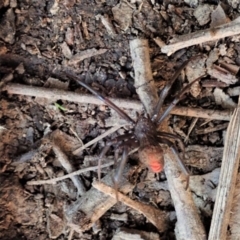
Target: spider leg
{"points": [[103, 153], [176, 100], [173, 136], [120, 142], [74, 77], [166, 89], [117, 177], [180, 162]]}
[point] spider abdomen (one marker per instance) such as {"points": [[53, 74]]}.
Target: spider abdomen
{"points": [[152, 156]]}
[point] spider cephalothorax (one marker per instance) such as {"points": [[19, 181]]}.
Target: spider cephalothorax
{"points": [[145, 135]]}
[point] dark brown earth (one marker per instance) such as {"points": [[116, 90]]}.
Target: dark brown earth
{"points": [[39, 36]]}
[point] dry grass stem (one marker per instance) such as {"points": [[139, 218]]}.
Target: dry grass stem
{"points": [[227, 180]]}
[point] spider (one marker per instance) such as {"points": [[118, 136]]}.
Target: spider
{"points": [[144, 134]]}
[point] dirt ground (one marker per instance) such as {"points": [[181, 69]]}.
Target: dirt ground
{"points": [[44, 136]]}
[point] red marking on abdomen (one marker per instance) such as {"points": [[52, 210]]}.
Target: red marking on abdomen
{"points": [[156, 167], [154, 163], [152, 157]]}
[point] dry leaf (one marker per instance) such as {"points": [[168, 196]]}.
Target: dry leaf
{"points": [[54, 9], [120, 10], [195, 69], [213, 57], [202, 13], [66, 50], [218, 17], [223, 99]]}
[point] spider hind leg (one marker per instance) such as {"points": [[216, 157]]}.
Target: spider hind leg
{"points": [[179, 160]]}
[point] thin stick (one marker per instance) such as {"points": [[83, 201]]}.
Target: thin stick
{"points": [[55, 94], [227, 180], [210, 34], [143, 82], [155, 216], [70, 175], [57, 179]]}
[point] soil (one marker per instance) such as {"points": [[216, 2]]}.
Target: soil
{"points": [[91, 39]]}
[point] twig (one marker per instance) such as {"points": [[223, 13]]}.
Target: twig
{"points": [[227, 180], [212, 129], [70, 175], [189, 223], [193, 123], [55, 94], [210, 34], [108, 132], [155, 216]]}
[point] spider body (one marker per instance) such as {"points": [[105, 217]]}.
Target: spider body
{"points": [[150, 152], [145, 134]]}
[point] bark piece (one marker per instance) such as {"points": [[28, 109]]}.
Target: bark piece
{"points": [[143, 74], [7, 27], [218, 17], [85, 54], [120, 10], [203, 13], [222, 75]]}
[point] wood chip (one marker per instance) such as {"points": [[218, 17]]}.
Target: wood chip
{"points": [[222, 75], [85, 54]]}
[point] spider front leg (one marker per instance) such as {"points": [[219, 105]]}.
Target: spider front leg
{"points": [[176, 100], [166, 89]]}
